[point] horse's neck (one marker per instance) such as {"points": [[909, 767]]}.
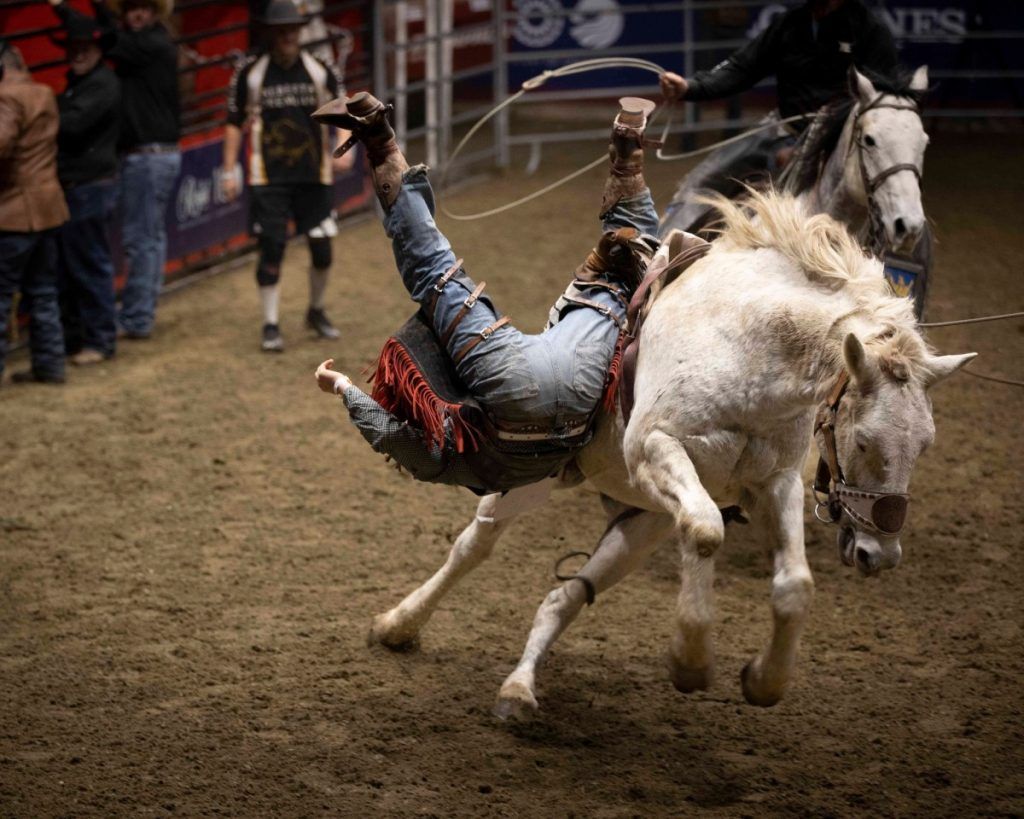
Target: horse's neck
{"points": [[840, 190]]}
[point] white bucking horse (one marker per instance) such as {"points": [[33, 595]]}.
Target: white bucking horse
{"points": [[784, 319]]}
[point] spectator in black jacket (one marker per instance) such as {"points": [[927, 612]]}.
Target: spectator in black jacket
{"points": [[809, 51], [87, 168], [146, 60]]}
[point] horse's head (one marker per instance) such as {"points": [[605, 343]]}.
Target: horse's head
{"points": [[879, 422], [889, 142]]}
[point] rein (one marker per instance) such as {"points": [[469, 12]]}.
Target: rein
{"points": [[883, 513]]}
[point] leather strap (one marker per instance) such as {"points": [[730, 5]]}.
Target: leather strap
{"points": [[603, 309], [439, 285], [467, 305], [633, 324], [483, 335]]}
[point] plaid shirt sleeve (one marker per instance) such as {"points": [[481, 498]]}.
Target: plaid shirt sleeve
{"points": [[406, 445]]}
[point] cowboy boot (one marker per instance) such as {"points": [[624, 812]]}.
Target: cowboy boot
{"points": [[626, 151], [367, 118]]}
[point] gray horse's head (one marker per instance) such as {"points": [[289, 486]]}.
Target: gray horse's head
{"points": [[883, 423], [890, 136]]}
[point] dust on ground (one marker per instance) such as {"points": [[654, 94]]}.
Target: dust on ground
{"points": [[194, 542]]}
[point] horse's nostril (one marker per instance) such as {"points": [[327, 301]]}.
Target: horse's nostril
{"points": [[900, 226], [864, 558]]}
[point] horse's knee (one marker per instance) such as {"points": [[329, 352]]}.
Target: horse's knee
{"points": [[704, 534], [792, 595]]}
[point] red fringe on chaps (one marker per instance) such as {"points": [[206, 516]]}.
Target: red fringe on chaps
{"points": [[401, 389]]}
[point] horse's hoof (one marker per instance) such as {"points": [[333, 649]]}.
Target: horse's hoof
{"points": [[688, 680], [381, 634], [750, 693], [515, 701]]}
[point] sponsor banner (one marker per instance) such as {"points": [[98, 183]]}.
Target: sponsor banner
{"points": [[928, 32], [587, 26]]}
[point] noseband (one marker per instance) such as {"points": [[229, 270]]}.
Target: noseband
{"points": [[873, 183], [881, 512]]}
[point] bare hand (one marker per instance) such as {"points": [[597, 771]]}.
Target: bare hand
{"points": [[56, 3], [230, 186], [327, 378], [673, 87]]}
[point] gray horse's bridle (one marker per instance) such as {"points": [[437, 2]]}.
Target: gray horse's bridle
{"points": [[883, 513], [873, 183]]}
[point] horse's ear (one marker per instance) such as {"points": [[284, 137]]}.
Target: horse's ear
{"points": [[943, 366], [861, 87], [862, 370], [919, 82]]}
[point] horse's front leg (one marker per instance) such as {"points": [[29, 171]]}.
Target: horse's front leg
{"points": [[779, 508], [400, 626], [662, 468], [629, 539]]}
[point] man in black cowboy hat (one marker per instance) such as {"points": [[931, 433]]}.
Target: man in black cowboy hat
{"points": [[87, 167], [290, 167], [145, 58]]}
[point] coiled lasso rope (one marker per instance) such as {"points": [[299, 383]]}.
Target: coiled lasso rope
{"points": [[582, 67]]}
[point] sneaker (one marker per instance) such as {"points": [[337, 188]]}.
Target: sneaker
{"points": [[317, 321], [32, 377], [272, 340], [87, 356]]}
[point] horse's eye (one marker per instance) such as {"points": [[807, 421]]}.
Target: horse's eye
{"points": [[862, 446], [869, 141]]}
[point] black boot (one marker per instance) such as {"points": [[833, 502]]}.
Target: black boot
{"points": [[367, 118]]}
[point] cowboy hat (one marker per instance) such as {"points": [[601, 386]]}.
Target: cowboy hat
{"points": [[163, 7], [283, 13], [80, 28]]}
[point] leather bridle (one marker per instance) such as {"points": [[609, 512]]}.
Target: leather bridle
{"points": [[883, 513], [873, 183]]}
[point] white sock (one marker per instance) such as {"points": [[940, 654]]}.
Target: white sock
{"points": [[317, 287], [271, 298]]}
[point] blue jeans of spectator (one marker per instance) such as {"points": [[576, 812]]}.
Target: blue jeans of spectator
{"points": [[147, 181], [27, 263], [556, 376], [85, 270]]}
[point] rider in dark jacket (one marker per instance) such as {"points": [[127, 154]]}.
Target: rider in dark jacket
{"points": [[809, 50]]}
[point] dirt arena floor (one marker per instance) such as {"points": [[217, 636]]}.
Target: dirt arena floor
{"points": [[194, 542]]}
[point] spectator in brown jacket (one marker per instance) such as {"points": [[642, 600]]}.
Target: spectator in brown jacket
{"points": [[31, 207]]}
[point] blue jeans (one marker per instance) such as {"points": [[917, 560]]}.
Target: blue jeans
{"points": [[557, 376], [85, 271], [147, 181], [27, 264]]}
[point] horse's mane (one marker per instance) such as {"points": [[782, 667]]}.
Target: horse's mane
{"points": [[820, 139], [831, 259]]}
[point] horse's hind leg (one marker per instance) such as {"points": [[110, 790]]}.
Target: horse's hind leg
{"points": [[662, 469], [400, 626], [779, 507], [628, 541]]}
